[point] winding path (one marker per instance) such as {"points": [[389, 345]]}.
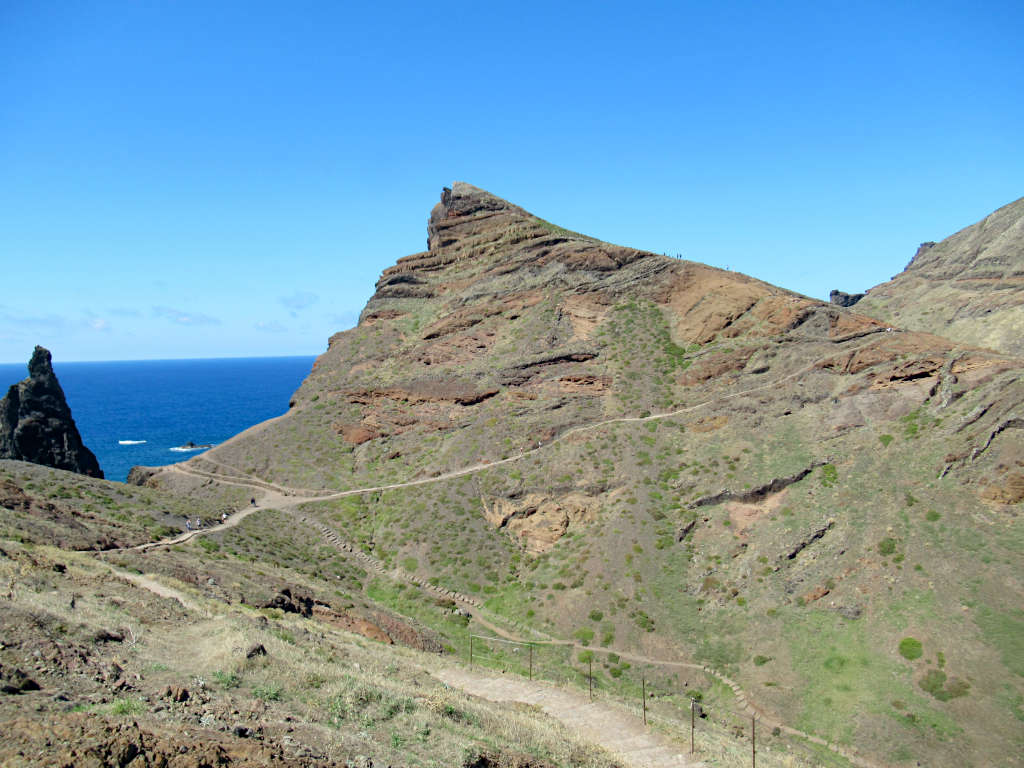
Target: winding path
{"points": [[284, 498]]}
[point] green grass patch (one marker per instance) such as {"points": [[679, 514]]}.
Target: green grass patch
{"points": [[829, 475], [887, 546], [227, 679], [1004, 631], [127, 707], [268, 692]]}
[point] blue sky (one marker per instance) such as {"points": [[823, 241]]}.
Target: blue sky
{"points": [[196, 179]]}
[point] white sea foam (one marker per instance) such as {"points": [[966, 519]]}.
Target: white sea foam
{"points": [[130, 442], [187, 449]]}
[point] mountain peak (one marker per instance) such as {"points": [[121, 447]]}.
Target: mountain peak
{"points": [[461, 212], [41, 364]]}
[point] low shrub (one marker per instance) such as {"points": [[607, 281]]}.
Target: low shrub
{"points": [[934, 682], [910, 648], [227, 679], [584, 634]]}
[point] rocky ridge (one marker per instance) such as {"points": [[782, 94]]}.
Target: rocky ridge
{"points": [[36, 423], [969, 287]]}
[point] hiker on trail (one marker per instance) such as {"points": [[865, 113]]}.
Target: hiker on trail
{"points": [[223, 516], [188, 524], [253, 501]]}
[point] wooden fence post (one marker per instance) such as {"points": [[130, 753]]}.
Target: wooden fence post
{"points": [[643, 696], [753, 742], [693, 707]]}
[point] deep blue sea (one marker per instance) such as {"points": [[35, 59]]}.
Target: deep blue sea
{"points": [[168, 403]]}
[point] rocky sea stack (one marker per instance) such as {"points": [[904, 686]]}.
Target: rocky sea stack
{"points": [[36, 423]]}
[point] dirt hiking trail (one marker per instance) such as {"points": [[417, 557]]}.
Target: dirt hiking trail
{"points": [[622, 734]]}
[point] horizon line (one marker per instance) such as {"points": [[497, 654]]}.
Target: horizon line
{"points": [[172, 359]]}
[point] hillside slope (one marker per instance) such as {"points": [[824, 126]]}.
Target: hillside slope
{"points": [[969, 287], [658, 457]]}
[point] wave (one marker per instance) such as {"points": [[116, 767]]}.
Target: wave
{"points": [[190, 448], [130, 442]]}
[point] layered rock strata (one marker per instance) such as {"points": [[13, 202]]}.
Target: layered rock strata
{"points": [[969, 287]]}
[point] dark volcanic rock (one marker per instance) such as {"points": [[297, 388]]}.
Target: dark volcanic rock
{"points": [[36, 423], [285, 601], [843, 299], [14, 681], [256, 650]]}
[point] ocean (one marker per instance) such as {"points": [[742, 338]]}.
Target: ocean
{"points": [[158, 405]]}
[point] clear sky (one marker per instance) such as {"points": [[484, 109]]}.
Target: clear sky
{"points": [[206, 179]]}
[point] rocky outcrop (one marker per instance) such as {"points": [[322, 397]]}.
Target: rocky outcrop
{"points": [[36, 423], [756, 494], [140, 475], [843, 299], [538, 521]]}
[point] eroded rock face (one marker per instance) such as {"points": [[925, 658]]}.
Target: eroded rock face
{"points": [[36, 423], [538, 521]]}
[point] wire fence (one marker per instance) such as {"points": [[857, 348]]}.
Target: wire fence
{"points": [[659, 697]]}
